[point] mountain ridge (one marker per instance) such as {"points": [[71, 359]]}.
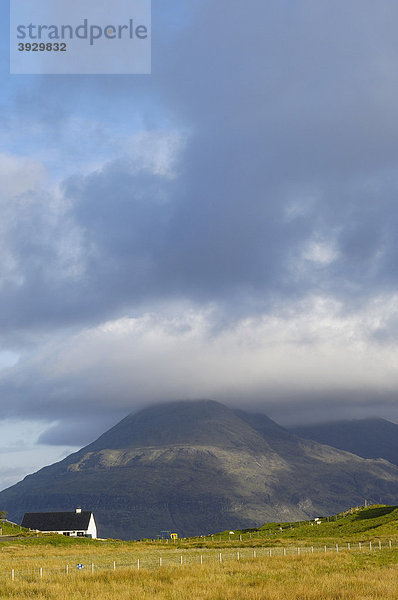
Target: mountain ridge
{"points": [[369, 438], [198, 467]]}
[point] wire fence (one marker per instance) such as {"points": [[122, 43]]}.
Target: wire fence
{"points": [[187, 557]]}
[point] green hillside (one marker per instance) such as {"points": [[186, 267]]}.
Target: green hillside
{"points": [[8, 528], [357, 524], [377, 521]]}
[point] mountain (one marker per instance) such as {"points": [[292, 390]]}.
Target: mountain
{"points": [[370, 438], [199, 467]]}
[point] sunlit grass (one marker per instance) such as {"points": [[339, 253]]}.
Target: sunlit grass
{"points": [[349, 576], [252, 567]]}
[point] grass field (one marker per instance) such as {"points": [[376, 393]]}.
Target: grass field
{"points": [[46, 567], [348, 576]]}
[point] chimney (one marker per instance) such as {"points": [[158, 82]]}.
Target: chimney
{"points": [[78, 510]]}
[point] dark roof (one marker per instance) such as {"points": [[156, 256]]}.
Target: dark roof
{"points": [[57, 521]]}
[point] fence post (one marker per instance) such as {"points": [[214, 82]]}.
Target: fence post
{"points": [[379, 545], [284, 551], [41, 573], [160, 561], [254, 554], [270, 552], [138, 564], [298, 550], [370, 545], [220, 557], [181, 559], [92, 567], [237, 556], [201, 559], [359, 545], [337, 547], [312, 549], [348, 546], [389, 543], [12, 575], [325, 548], [114, 565]]}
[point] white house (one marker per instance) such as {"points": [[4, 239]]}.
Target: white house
{"points": [[80, 523]]}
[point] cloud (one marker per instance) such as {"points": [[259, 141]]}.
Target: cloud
{"points": [[19, 452], [156, 152], [19, 175], [297, 358], [226, 229], [41, 248], [209, 207]]}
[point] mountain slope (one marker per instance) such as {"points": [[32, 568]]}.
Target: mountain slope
{"points": [[198, 467], [369, 438]]}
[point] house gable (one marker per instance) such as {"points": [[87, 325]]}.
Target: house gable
{"points": [[77, 523]]}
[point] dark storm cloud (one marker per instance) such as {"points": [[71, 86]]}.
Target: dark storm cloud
{"points": [[151, 239], [328, 406], [284, 188], [284, 101], [73, 432]]}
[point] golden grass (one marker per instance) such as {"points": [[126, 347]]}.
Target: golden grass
{"points": [[343, 576]]}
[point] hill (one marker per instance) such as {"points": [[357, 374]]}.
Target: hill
{"points": [[370, 523], [369, 438], [199, 467], [362, 523], [9, 528]]}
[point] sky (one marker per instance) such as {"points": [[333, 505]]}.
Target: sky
{"points": [[223, 228]]}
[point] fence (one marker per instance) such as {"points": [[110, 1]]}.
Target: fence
{"points": [[187, 557]]}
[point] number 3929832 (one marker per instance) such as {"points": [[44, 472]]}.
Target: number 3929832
{"points": [[42, 47]]}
